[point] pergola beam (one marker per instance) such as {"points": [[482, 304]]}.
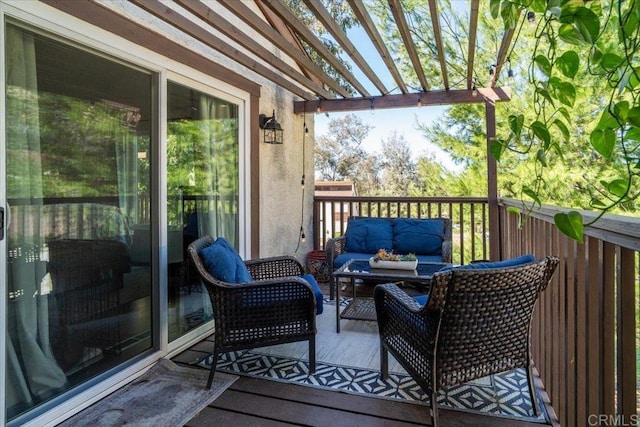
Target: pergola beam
{"points": [[473, 31], [299, 27], [341, 37], [182, 23], [448, 97], [218, 22], [502, 56], [403, 27], [243, 12], [367, 23], [437, 34]]}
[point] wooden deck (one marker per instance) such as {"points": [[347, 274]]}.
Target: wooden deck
{"points": [[260, 402], [257, 402]]}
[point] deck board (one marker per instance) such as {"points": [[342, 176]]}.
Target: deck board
{"points": [[259, 402]]}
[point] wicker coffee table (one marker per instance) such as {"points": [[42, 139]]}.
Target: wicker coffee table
{"points": [[362, 308]]}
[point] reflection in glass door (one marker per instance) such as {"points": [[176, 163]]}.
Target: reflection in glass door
{"points": [[202, 193], [77, 135]]}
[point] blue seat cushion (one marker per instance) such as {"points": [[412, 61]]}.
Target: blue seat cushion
{"points": [[418, 236], [367, 235], [421, 299], [316, 290], [256, 299], [341, 259], [223, 262], [521, 260]]}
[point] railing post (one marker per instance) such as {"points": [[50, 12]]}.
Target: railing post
{"points": [[492, 184]]}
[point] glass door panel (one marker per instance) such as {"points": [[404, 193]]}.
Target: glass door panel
{"points": [[202, 193], [78, 134]]}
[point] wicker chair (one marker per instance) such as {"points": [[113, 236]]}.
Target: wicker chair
{"points": [[278, 307], [475, 323]]}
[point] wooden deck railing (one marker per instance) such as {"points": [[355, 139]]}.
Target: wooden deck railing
{"points": [[469, 217], [585, 333]]}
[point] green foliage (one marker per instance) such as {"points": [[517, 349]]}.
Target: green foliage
{"points": [[576, 44]]}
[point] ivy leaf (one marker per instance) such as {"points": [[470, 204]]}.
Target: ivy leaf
{"points": [[566, 93], [541, 156], [570, 224], [531, 193], [618, 187], [588, 24], [608, 121], [510, 13], [563, 129], [603, 141], [540, 130], [633, 117], [621, 110], [569, 34], [515, 211], [496, 148], [516, 123], [633, 133], [565, 113], [611, 61], [543, 64], [568, 63], [595, 203], [494, 6], [545, 94]]}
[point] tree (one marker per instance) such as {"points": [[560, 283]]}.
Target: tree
{"points": [[398, 169], [339, 154]]}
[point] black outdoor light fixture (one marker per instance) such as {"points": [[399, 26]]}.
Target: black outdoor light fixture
{"points": [[272, 129]]}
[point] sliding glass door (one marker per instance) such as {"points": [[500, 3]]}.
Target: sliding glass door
{"points": [[202, 193], [78, 131]]}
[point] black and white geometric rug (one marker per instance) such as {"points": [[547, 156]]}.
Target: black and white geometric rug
{"points": [[503, 395]]}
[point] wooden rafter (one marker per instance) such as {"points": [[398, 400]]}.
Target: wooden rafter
{"points": [[502, 55], [298, 26], [250, 18], [182, 23], [437, 34], [473, 31], [403, 27], [217, 21], [367, 23], [445, 97], [341, 37], [286, 32]]}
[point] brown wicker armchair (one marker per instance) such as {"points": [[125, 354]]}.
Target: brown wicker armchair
{"points": [[476, 323], [278, 307]]}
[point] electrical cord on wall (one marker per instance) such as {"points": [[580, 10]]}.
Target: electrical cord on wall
{"points": [[301, 235]]}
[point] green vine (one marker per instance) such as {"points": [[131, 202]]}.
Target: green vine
{"points": [[604, 39]]}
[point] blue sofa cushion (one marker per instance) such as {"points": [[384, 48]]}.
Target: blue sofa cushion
{"points": [[316, 290], [367, 235], [223, 262], [418, 236]]}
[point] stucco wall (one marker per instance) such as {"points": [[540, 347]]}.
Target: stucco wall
{"points": [[282, 211]]}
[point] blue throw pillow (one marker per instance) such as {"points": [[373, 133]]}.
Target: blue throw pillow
{"points": [[418, 236], [223, 262], [367, 235]]}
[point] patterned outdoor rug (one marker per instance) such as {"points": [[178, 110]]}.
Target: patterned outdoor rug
{"points": [[504, 395]]}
